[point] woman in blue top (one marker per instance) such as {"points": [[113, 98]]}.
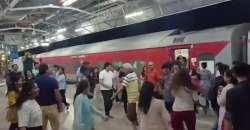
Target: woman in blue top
{"points": [[84, 111]]}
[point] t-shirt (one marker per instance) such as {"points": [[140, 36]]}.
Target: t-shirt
{"points": [[167, 80], [107, 77], [130, 81], [28, 64], [47, 86], [30, 114], [184, 99], [61, 79], [153, 77], [238, 106]]}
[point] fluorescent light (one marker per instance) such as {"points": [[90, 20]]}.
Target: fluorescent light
{"points": [[45, 44], [79, 30], [52, 38], [61, 30], [36, 43], [60, 37], [68, 2], [22, 47], [47, 40], [134, 14]]}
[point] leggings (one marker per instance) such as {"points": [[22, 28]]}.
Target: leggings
{"points": [[188, 117], [35, 128], [63, 91]]}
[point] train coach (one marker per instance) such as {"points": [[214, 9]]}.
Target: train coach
{"points": [[223, 44]]}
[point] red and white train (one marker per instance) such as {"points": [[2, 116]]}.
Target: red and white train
{"points": [[224, 44]]}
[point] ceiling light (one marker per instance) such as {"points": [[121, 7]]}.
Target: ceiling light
{"points": [[36, 43], [79, 30], [35, 40], [47, 40], [27, 46], [134, 14], [52, 38], [22, 47], [60, 37], [45, 44], [61, 30], [68, 2]]}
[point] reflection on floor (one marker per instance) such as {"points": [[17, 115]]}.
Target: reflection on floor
{"points": [[118, 123]]}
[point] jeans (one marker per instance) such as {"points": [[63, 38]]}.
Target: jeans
{"points": [[108, 103], [50, 113], [169, 106]]}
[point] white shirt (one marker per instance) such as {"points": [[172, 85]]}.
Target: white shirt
{"points": [[184, 99], [30, 114], [221, 99], [107, 78], [61, 79]]}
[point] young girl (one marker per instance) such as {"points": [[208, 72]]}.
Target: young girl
{"points": [[152, 112], [221, 99], [84, 111], [29, 112], [185, 94]]}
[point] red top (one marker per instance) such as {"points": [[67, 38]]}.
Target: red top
{"points": [[154, 77]]}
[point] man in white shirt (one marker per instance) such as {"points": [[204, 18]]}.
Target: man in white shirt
{"points": [[106, 85]]}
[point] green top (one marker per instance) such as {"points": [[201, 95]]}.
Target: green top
{"points": [[28, 64]]}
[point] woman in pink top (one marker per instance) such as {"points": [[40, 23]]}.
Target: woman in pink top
{"points": [[152, 112]]}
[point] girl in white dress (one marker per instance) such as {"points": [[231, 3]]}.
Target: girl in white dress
{"points": [[221, 99]]}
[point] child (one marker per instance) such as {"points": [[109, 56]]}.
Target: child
{"points": [[84, 111]]}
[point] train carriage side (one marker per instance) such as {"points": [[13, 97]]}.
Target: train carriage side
{"points": [[212, 45]]}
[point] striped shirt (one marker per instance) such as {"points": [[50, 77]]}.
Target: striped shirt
{"points": [[130, 81]]}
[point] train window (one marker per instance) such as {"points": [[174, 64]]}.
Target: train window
{"points": [[209, 59], [100, 65], [138, 65], [117, 64], [181, 52]]}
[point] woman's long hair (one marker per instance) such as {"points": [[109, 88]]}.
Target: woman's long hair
{"points": [[182, 79], [146, 96], [81, 86], [229, 74], [25, 93]]}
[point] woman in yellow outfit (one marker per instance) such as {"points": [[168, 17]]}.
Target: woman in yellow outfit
{"points": [[13, 80]]}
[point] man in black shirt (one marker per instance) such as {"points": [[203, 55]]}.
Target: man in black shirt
{"points": [[238, 100]]}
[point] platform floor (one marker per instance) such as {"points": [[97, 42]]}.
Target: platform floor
{"points": [[118, 123]]}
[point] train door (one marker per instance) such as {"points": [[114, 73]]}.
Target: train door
{"points": [[181, 54]]}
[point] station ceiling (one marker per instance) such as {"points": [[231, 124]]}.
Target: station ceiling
{"points": [[32, 23]]}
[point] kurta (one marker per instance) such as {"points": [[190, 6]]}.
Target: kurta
{"points": [[84, 113]]}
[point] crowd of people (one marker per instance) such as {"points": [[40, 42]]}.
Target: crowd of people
{"points": [[167, 100]]}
